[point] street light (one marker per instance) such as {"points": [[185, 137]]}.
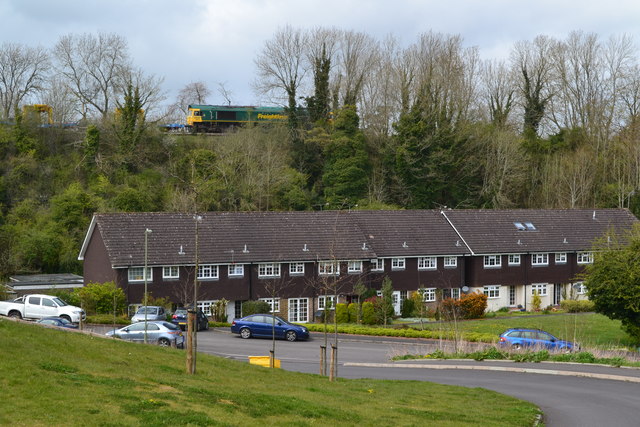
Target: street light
{"points": [[144, 273]]}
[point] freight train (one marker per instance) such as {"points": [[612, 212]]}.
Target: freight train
{"points": [[219, 118]]}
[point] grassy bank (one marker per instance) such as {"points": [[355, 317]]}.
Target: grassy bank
{"points": [[53, 377]]}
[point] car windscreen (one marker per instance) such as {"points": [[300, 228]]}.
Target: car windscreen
{"points": [[148, 310], [60, 302]]}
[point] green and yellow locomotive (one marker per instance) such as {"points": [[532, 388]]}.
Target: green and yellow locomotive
{"points": [[220, 118]]}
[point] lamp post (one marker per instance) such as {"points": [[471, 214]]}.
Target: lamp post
{"points": [[144, 273]]}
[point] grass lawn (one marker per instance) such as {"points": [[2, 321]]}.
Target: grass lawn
{"points": [[52, 377]]}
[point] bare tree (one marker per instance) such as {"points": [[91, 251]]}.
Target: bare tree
{"points": [[93, 66], [23, 71], [281, 66], [533, 62], [192, 93], [149, 89], [225, 93], [357, 54], [498, 91]]}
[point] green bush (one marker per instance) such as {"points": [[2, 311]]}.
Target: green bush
{"points": [[342, 313], [577, 306], [101, 298], [353, 313], [254, 307], [368, 313], [408, 308]]}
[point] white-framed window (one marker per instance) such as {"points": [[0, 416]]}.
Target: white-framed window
{"points": [[397, 263], [327, 301], [585, 257], [268, 270], [207, 271], [236, 270], [492, 291], [326, 268], [274, 304], [561, 257], [170, 272], [450, 261], [540, 259], [428, 294], [427, 263], [581, 289], [540, 288], [299, 310], [354, 267], [514, 259], [492, 261], [296, 268], [451, 293], [377, 264], [205, 306], [136, 274]]}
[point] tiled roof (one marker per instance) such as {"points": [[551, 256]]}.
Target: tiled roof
{"points": [[322, 235], [556, 230]]}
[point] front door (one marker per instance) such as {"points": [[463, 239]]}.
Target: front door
{"points": [[557, 293]]}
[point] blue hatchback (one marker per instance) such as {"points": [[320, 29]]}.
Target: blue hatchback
{"points": [[518, 338], [263, 325]]}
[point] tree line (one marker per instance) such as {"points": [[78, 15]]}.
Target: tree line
{"points": [[372, 124]]}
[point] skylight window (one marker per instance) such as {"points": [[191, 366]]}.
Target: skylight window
{"points": [[525, 226], [530, 226], [519, 226]]}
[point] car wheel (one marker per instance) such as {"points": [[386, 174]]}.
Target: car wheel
{"points": [[245, 333], [64, 316], [291, 336], [15, 315], [516, 346], [164, 342]]}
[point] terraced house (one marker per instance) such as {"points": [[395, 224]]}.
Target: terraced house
{"points": [[302, 262]]}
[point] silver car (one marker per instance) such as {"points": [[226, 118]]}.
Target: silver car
{"points": [[163, 333], [152, 313]]}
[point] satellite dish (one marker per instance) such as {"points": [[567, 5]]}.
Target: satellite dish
{"points": [[465, 289]]}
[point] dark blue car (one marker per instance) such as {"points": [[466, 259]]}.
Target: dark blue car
{"points": [[262, 325], [518, 338]]}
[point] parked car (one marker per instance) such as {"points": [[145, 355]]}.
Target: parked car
{"points": [[262, 325], [179, 318], [38, 306], [152, 313], [518, 338], [160, 332], [60, 322]]}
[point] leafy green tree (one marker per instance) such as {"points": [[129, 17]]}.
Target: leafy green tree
{"points": [[130, 120], [100, 298], [613, 280], [386, 302], [91, 144], [346, 168]]}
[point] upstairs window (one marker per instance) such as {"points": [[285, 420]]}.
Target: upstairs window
{"points": [[450, 262], [585, 257], [561, 258], [236, 270], [539, 259], [207, 271], [514, 259], [354, 267], [268, 270], [397, 264], [377, 264], [492, 261], [427, 263], [136, 274], [170, 272], [296, 268], [326, 268]]}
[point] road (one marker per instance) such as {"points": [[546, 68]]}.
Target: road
{"points": [[610, 397]]}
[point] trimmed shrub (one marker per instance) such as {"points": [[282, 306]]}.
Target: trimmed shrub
{"points": [[473, 305], [368, 313], [254, 307], [342, 314], [408, 308], [353, 312], [577, 306]]}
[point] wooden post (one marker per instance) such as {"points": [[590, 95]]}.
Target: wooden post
{"points": [[323, 360], [191, 332], [333, 362], [271, 359]]}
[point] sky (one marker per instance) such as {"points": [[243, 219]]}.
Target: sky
{"points": [[216, 41]]}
